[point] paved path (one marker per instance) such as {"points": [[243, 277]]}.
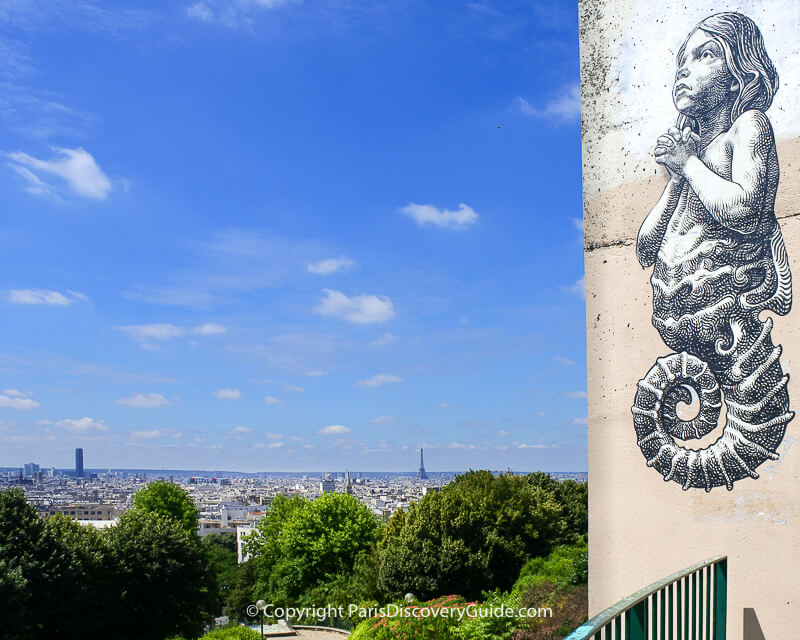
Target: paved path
{"points": [[316, 634]]}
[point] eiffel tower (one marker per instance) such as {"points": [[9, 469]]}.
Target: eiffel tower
{"points": [[421, 475]]}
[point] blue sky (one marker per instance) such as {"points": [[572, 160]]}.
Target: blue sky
{"points": [[284, 235]]}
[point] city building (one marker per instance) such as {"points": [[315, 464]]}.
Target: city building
{"points": [[81, 511], [348, 484], [242, 531], [328, 484], [30, 469], [79, 463]]}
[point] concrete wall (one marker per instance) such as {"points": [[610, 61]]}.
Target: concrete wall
{"points": [[641, 527]]}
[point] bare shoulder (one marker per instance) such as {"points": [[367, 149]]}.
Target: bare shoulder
{"points": [[752, 127]]}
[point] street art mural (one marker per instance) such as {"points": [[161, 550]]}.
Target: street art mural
{"points": [[719, 263]]}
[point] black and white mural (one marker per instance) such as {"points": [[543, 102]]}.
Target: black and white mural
{"points": [[719, 264]]}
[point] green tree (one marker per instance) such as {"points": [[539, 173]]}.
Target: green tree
{"points": [[83, 588], [264, 543], [301, 544], [50, 574], [472, 536], [356, 587], [158, 570], [168, 499], [572, 495], [24, 559], [221, 560], [241, 594]]}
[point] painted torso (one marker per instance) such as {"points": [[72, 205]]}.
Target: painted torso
{"points": [[702, 265]]}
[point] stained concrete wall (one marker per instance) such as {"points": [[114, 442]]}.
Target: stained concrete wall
{"points": [[641, 527]]}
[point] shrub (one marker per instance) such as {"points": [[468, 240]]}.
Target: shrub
{"points": [[232, 633]]}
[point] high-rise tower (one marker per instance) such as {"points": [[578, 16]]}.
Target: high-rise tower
{"points": [[422, 475], [348, 484], [79, 463]]}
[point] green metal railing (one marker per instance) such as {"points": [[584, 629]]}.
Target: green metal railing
{"points": [[688, 605]]}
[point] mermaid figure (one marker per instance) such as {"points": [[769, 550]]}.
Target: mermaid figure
{"points": [[718, 262]]}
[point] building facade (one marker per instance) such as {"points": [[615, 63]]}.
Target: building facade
{"points": [[82, 511], [691, 184]]}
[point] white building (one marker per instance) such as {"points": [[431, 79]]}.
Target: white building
{"points": [[243, 530]]}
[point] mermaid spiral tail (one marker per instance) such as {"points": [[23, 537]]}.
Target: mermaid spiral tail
{"points": [[757, 402]]}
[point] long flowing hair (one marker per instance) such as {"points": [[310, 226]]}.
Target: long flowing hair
{"points": [[747, 60]]}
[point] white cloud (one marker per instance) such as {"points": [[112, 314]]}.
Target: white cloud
{"points": [[442, 405], [16, 393], [35, 186], [228, 394], [162, 331], [271, 400], [563, 107], [575, 394], [384, 340], [145, 400], [147, 434], [564, 362], [360, 309], [209, 329], [232, 14], [242, 429], [383, 419], [275, 445], [275, 436], [83, 425], [584, 420], [153, 331], [76, 166], [502, 433], [293, 387], [317, 373], [460, 445], [200, 11], [427, 214], [379, 379], [577, 223], [44, 296], [578, 288], [331, 265], [523, 445], [334, 430], [15, 399]]}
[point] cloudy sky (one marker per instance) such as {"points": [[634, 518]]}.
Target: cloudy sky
{"points": [[284, 235]]}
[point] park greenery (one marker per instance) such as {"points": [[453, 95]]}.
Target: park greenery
{"points": [[145, 577], [484, 541], [554, 583], [169, 500]]}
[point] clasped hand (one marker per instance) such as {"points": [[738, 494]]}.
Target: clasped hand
{"points": [[675, 148]]}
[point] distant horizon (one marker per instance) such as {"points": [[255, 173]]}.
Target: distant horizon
{"points": [[264, 472]]}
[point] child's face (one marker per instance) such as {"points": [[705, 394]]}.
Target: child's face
{"points": [[703, 81]]}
